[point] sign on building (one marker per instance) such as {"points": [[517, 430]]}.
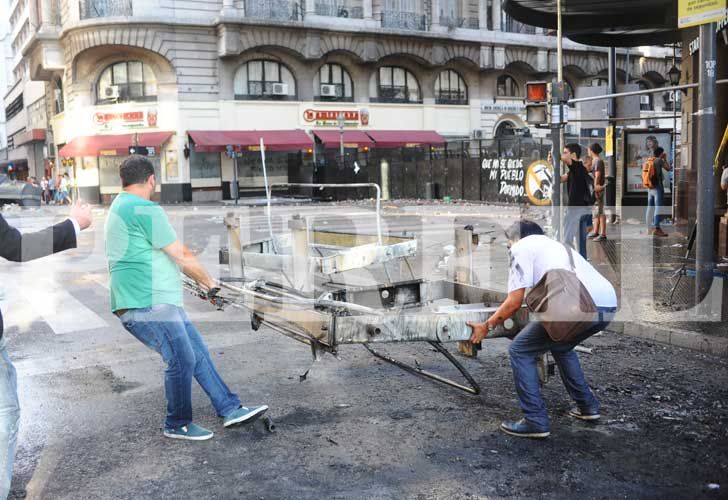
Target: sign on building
{"points": [[696, 12]]}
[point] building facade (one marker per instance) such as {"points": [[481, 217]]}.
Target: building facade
{"points": [[177, 77]]}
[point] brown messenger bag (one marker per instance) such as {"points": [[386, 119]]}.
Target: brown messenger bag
{"points": [[562, 304]]}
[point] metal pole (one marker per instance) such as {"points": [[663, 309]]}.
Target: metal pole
{"points": [[706, 182], [556, 98], [611, 194], [673, 147]]}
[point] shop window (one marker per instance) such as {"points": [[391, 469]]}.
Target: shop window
{"points": [[333, 83], [506, 86], [646, 103], [205, 165], [394, 84], [264, 80], [450, 88], [127, 81], [109, 170]]}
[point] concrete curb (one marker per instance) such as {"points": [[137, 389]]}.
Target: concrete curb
{"points": [[707, 344]]}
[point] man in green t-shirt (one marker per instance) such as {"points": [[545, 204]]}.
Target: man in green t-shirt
{"points": [[145, 258]]}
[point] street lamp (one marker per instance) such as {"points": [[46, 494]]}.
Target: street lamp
{"points": [[674, 76]]}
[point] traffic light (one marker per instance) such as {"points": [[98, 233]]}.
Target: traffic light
{"points": [[537, 97]]}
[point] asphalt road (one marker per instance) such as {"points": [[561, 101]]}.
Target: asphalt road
{"points": [[93, 403]]}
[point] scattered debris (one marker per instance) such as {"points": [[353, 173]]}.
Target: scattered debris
{"points": [[581, 348], [342, 405]]}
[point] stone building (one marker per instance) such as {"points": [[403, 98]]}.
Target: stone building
{"points": [[188, 78]]}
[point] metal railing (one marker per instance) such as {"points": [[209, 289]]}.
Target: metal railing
{"points": [[278, 10], [92, 9], [472, 23], [512, 26], [404, 20], [452, 22], [338, 8]]}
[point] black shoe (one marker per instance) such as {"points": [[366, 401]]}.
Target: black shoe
{"points": [[586, 415], [523, 428]]}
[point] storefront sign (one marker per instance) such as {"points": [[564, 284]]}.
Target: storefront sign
{"points": [[330, 118], [696, 12], [126, 120]]}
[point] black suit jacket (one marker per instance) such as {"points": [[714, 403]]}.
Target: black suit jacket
{"points": [[18, 247]]}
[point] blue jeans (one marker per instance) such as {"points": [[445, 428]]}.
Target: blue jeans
{"points": [[167, 330], [655, 198], [577, 222], [9, 418], [525, 349]]}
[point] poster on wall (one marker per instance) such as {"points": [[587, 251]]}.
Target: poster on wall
{"points": [[640, 145]]}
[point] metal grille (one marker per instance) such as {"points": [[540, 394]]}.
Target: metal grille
{"points": [[92, 9], [472, 23], [279, 10], [338, 8], [452, 22], [404, 20], [512, 26]]}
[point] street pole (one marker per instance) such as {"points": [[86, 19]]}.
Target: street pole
{"points": [[556, 99], [341, 137], [706, 181], [611, 193]]}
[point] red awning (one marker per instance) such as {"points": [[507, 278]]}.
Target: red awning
{"points": [[404, 138], [111, 145], [352, 138], [214, 141]]}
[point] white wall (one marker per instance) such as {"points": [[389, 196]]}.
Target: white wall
{"points": [[5, 58]]}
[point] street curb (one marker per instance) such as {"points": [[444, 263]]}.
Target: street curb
{"points": [[707, 344]]}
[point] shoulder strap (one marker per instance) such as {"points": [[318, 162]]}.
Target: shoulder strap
{"points": [[571, 257]]}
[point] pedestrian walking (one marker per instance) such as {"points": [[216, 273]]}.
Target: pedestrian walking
{"points": [[65, 187], [45, 193], [145, 258], [52, 188], [22, 247], [549, 269], [578, 211], [653, 180], [599, 232]]}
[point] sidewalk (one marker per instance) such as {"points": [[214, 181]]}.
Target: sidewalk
{"points": [[645, 296]]}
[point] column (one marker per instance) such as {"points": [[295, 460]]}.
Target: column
{"points": [[483, 14], [496, 15], [367, 8], [310, 8], [435, 7]]}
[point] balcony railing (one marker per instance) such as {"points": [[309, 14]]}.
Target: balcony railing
{"points": [[452, 21], [512, 26], [472, 23], [277, 10], [92, 9], [404, 20], [338, 8]]}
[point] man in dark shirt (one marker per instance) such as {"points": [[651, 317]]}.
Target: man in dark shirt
{"points": [[656, 195], [22, 247], [578, 216]]}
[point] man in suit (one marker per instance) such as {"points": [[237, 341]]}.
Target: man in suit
{"points": [[18, 247]]}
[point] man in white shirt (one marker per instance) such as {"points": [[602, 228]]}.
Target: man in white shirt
{"points": [[532, 255]]}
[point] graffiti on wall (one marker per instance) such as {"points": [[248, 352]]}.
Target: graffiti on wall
{"points": [[510, 180]]}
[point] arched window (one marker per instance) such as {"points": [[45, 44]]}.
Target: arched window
{"points": [[506, 86], [394, 84], [333, 83], [450, 88], [264, 80], [126, 81], [646, 103], [505, 129]]}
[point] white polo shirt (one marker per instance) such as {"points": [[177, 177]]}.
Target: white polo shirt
{"points": [[532, 256]]}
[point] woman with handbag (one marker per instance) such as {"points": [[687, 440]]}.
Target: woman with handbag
{"points": [[569, 302]]}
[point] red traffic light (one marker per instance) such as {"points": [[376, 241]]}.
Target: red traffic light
{"points": [[536, 91]]}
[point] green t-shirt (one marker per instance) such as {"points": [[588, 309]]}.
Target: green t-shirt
{"points": [[142, 274]]}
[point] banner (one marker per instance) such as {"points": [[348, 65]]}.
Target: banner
{"points": [[696, 12]]}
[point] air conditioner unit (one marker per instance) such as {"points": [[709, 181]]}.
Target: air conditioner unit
{"points": [[328, 90], [477, 134], [279, 89], [110, 92]]}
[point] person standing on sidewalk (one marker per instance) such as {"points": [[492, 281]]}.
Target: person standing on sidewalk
{"points": [[23, 247], [578, 213], [599, 233], [656, 194], [532, 255], [145, 257]]}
